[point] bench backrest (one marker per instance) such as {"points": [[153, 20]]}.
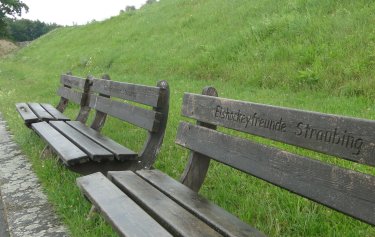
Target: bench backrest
{"points": [[347, 191], [112, 98], [76, 90]]}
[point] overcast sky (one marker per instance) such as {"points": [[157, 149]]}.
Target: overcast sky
{"points": [[69, 12]]}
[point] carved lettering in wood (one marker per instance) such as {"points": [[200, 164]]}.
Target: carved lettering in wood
{"points": [[334, 136], [250, 120]]}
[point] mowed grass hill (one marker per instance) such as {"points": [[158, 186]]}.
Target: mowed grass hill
{"points": [[313, 55]]}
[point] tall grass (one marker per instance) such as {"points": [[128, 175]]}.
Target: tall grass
{"points": [[314, 55]]}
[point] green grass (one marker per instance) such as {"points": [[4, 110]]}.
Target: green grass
{"points": [[312, 55]]}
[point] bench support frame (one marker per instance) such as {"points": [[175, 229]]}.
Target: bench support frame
{"points": [[151, 147], [83, 113], [84, 109], [154, 140], [197, 166]]}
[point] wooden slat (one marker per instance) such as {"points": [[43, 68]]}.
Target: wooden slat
{"points": [[72, 81], [67, 151], [26, 113], [147, 119], [94, 150], [127, 218], [347, 191], [221, 220], [70, 94], [121, 153], [349, 138], [54, 112], [40, 112], [148, 95], [173, 217]]}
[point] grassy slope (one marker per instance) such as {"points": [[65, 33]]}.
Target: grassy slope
{"points": [[316, 55]]}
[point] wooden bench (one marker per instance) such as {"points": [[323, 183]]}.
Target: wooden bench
{"points": [[73, 89], [84, 149], [149, 203]]}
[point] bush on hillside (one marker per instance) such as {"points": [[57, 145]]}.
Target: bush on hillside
{"points": [[26, 30]]}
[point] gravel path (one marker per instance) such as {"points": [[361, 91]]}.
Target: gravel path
{"points": [[24, 209]]}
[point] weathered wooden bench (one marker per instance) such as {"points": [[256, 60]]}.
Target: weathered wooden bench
{"points": [[84, 149], [73, 89], [149, 203]]}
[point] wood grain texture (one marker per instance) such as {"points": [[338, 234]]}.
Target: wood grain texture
{"points": [[69, 153], [140, 117], [63, 103], [54, 112], [155, 138], [173, 217], [26, 113], [219, 219], [196, 169], [95, 151], [148, 95], [345, 137], [100, 117], [347, 191], [84, 110], [72, 81], [70, 94], [127, 218], [39, 111], [121, 153]]}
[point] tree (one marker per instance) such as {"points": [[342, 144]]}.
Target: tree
{"points": [[27, 30], [150, 1], [10, 8], [130, 8]]}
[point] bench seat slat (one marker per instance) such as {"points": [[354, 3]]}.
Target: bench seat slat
{"points": [[94, 150], [126, 216], [173, 217], [347, 191], [68, 152], [147, 119], [218, 218], [121, 153], [26, 113], [40, 112], [54, 112]]}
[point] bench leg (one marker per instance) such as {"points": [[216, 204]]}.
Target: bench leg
{"points": [[47, 151], [92, 212], [155, 139], [197, 167]]}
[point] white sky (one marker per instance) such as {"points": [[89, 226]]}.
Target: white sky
{"points": [[69, 12]]}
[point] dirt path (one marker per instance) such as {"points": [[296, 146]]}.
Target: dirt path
{"points": [[6, 47], [25, 208]]}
